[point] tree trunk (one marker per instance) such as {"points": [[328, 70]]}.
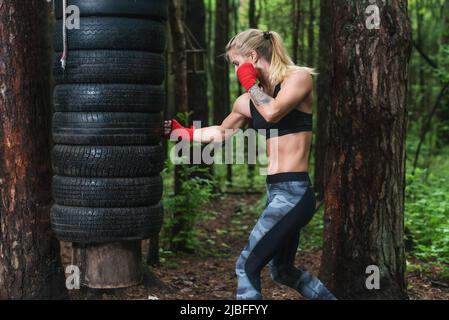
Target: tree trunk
{"points": [[365, 180], [295, 34], [311, 35], [323, 103], [195, 20], [210, 40], [302, 39], [252, 14], [253, 23], [153, 258], [181, 100], [30, 264], [221, 72], [180, 62]]}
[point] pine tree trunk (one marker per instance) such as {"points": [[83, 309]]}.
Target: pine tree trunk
{"points": [[181, 100], [252, 14], [302, 39], [323, 97], [311, 35], [253, 23], [295, 34], [195, 20], [221, 72], [365, 180], [30, 264]]}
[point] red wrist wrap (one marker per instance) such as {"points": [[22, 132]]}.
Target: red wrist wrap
{"points": [[247, 75], [176, 125]]}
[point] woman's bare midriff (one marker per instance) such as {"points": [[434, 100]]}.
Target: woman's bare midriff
{"points": [[289, 153]]}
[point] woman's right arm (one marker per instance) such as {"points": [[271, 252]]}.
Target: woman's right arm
{"points": [[235, 120]]}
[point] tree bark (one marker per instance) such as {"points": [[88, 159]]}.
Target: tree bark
{"points": [[253, 23], [302, 39], [323, 98], [179, 57], [221, 71], [365, 180], [181, 100], [221, 74], [195, 19], [252, 14], [311, 35], [30, 263], [295, 34]]}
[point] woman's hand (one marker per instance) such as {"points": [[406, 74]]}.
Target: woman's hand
{"points": [[247, 75], [170, 125]]}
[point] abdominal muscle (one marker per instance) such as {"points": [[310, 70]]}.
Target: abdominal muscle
{"points": [[289, 153]]}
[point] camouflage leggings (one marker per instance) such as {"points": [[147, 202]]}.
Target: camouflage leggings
{"points": [[275, 237]]}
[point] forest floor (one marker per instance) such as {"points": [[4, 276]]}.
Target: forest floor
{"points": [[209, 274]]}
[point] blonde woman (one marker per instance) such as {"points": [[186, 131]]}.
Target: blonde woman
{"points": [[279, 100]]}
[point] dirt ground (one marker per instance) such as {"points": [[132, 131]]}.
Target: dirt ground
{"points": [[210, 275]]}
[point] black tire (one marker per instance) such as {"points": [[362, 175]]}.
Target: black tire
{"points": [[109, 98], [107, 128], [103, 66], [153, 9], [107, 161], [107, 192], [99, 225], [111, 33]]}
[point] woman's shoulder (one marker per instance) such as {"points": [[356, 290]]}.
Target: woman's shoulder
{"points": [[299, 76], [241, 105], [242, 99]]}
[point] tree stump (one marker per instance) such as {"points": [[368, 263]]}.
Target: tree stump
{"points": [[110, 265]]}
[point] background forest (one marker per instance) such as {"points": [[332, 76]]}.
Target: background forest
{"points": [[82, 150], [210, 24]]}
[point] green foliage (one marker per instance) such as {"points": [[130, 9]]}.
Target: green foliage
{"points": [[443, 64], [184, 117], [187, 208], [426, 203], [427, 209], [312, 234]]}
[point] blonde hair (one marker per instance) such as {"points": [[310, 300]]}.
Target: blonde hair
{"points": [[270, 46]]}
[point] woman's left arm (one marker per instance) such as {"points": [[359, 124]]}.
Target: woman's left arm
{"points": [[294, 89]]}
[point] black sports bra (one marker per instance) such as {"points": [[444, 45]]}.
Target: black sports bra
{"points": [[294, 121]]}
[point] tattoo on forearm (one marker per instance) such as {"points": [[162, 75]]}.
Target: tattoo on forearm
{"points": [[259, 97]]}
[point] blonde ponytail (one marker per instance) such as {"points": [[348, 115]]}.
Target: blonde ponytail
{"points": [[281, 64], [270, 46]]}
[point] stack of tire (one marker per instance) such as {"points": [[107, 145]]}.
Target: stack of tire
{"points": [[107, 124]]}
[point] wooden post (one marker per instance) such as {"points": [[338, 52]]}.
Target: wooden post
{"points": [[109, 266]]}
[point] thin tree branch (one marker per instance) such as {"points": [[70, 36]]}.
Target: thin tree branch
{"points": [[432, 63], [426, 126]]}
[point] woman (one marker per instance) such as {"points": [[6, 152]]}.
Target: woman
{"points": [[281, 101]]}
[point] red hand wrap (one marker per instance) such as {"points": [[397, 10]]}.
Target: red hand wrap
{"points": [[176, 125], [247, 75]]}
